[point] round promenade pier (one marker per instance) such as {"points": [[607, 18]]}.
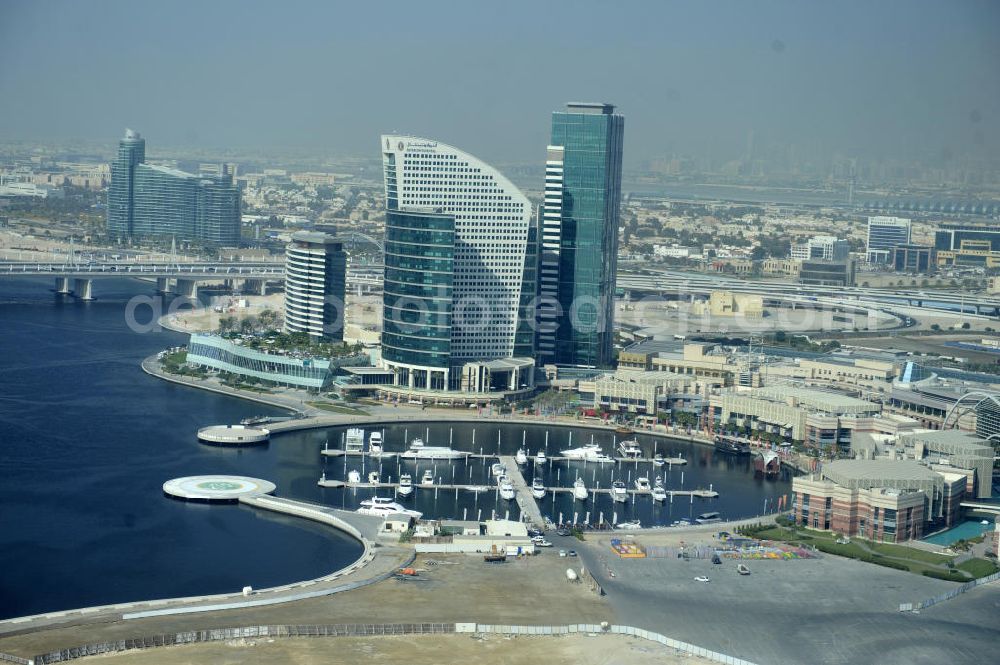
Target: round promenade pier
{"points": [[216, 489], [233, 435]]}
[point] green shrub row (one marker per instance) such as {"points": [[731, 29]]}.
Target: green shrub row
{"points": [[939, 575]]}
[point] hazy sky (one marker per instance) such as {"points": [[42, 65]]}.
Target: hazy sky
{"points": [[885, 78]]}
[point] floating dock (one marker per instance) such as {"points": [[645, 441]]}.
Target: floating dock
{"points": [[525, 501], [667, 461], [216, 489], [233, 435]]}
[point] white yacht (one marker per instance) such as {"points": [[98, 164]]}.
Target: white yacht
{"points": [[427, 479], [658, 459], [383, 507], [353, 477], [419, 450], [630, 449], [521, 457], [405, 485], [373, 478], [580, 492], [658, 493], [506, 489], [619, 492], [497, 470], [590, 453], [354, 441], [642, 484], [538, 488], [540, 457], [375, 443]]}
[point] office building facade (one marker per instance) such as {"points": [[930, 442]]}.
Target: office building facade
{"points": [[885, 233], [827, 273], [149, 200], [826, 248], [315, 269], [579, 236], [913, 258], [967, 245], [459, 269]]}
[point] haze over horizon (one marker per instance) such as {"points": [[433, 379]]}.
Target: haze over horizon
{"points": [[895, 80]]}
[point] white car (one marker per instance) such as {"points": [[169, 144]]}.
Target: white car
{"points": [[562, 552], [702, 578], [543, 543]]}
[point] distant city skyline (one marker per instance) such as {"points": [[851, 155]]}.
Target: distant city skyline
{"points": [[746, 87]]}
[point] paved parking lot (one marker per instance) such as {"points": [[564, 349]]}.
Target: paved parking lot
{"points": [[828, 610]]}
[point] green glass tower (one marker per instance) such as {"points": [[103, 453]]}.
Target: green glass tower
{"points": [[579, 236], [417, 296]]}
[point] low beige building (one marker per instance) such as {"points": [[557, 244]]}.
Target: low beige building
{"points": [[646, 392], [786, 411], [727, 303], [848, 373]]}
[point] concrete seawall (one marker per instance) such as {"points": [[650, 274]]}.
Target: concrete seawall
{"points": [[374, 565]]}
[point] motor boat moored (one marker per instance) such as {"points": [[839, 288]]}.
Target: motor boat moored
{"points": [[588, 453], [630, 449], [642, 484], [580, 492], [627, 526], [658, 459], [375, 443], [507, 491], [658, 493], [383, 507], [537, 488], [540, 457], [521, 457], [427, 479], [419, 450], [373, 478], [405, 485], [353, 477], [619, 492]]}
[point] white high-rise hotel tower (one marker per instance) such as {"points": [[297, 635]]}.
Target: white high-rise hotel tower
{"points": [[457, 245]]}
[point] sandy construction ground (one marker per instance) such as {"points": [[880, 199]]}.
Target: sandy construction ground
{"points": [[412, 650]]}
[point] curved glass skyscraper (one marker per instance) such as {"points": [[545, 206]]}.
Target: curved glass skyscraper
{"points": [[458, 259]]}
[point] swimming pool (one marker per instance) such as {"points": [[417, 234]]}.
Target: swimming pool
{"points": [[965, 530]]}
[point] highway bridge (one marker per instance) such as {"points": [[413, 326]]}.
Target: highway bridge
{"points": [[661, 283], [670, 282], [77, 277]]}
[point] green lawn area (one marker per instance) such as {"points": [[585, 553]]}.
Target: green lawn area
{"points": [[337, 408], [883, 554], [978, 567], [903, 552]]}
